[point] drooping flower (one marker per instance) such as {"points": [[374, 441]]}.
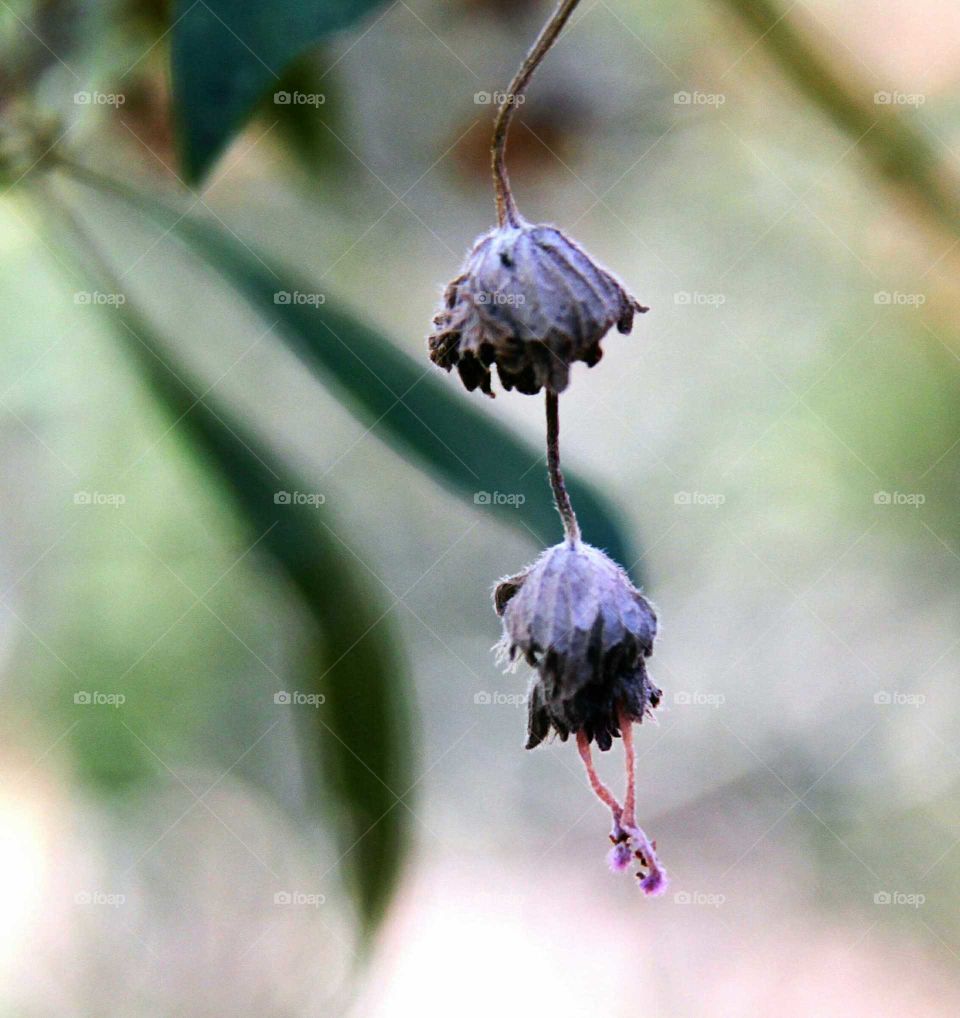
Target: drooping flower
{"points": [[575, 617], [531, 301]]}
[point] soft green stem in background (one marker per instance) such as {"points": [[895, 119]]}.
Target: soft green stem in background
{"points": [[901, 153]]}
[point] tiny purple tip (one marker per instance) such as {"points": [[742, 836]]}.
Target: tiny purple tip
{"points": [[619, 856], [655, 883]]}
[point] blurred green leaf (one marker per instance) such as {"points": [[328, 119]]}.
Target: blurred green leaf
{"points": [[364, 729], [310, 139], [226, 53], [414, 408]]}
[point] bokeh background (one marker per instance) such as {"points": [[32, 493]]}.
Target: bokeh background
{"points": [[779, 441]]}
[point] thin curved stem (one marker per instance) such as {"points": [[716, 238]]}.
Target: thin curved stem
{"points": [[506, 207], [564, 506], [630, 764], [599, 788]]}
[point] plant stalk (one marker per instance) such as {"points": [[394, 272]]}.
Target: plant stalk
{"points": [[564, 506], [506, 207]]}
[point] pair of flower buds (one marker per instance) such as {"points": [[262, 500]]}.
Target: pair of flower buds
{"points": [[531, 302]]}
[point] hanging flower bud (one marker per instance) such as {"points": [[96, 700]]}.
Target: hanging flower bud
{"points": [[575, 616], [532, 302]]}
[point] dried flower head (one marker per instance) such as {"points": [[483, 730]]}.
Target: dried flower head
{"points": [[575, 616], [577, 619], [529, 300]]}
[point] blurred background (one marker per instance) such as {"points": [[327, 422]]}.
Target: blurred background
{"points": [[256, 756]]}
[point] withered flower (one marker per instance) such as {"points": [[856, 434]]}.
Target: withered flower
{"points": [[575, 617], [527, 299], [531, 301]]}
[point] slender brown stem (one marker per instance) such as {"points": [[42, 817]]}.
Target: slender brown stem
{"points": [[570, 526], [506, 206]]}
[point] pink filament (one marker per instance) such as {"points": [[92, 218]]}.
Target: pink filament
{"points": [[629, 803], [600, 789]]}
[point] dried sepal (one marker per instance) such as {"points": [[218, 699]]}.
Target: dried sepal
{"points": [[530, 301], [505, 589]]}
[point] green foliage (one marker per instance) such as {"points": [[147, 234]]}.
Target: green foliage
{"points": [[364, 729], [225, 58], [415, 409], [363, 733], [225, 54]]}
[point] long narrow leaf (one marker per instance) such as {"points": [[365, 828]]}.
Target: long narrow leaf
{"points": [[226, 53], [422, 414], [364, 729]]}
